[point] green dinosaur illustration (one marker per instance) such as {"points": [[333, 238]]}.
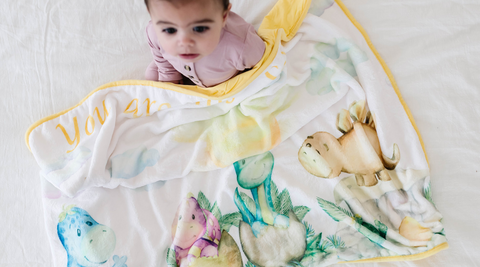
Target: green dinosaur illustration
{"points": [[268, 218]]}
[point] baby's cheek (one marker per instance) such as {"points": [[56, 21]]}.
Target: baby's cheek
{"points": [[210, 43], [168, 44], [170, 48]]}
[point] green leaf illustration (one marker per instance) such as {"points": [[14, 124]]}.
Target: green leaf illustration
{"points": [[428, 193], [294, 264], [382, 228], [285, 202], [310, 231], [370, 227], [230, 219], [249, 264], [441, 232], [203, 201], [370, 232], [347, 212], [315, 242], [301, 211], [274, 194], [249, 202], [326, 245], [216, 211], [171, 259], [334, 211], [336, 241]]}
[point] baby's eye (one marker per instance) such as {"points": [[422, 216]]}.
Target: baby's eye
{"points": [[200, 28], [169, 30]]}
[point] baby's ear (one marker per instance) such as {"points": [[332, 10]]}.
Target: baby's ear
{"points": [[225, 14]]}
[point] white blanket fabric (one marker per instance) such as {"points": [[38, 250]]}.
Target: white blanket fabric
{"points": [[426, 48]]}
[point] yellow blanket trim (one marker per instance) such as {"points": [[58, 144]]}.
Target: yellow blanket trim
{"points": [[414, 257], [281, 24], [386, 69]]}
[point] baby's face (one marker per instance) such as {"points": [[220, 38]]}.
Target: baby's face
{"points": [[189, 31]]}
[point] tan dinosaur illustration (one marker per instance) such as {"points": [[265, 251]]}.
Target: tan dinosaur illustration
{"points": [[357, 151]]}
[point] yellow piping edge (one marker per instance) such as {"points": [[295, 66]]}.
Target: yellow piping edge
{"points": [[387, 71], [413, 257]]}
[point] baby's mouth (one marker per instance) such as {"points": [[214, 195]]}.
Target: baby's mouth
{"points": [[188, 56]]}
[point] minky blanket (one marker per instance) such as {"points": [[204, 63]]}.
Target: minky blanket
{"points": [[309, 159]]}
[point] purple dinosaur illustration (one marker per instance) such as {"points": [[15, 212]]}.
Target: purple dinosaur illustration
{"points": [[195, 232]]}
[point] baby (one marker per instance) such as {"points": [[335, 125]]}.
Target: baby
{"points": [[201, 39]]}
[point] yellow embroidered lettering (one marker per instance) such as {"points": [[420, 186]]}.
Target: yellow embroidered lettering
{"points": [[270, 76], [77, 134], [164, 104], [105, 113], [231, 101], [148, 105], [92, 123], [135, 110]]}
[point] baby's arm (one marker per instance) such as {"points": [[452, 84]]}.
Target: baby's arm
{"points": [[253, 50], [160, 69]]}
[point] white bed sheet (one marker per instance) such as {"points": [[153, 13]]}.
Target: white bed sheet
{"points": [[53, 53]]}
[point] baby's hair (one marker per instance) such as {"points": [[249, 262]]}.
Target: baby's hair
{"points": [[224, 3]]}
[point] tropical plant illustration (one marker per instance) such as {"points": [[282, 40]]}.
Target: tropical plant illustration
{"points": [[376, 234], [318, 248]]}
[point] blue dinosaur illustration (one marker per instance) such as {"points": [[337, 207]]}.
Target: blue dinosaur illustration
{"points": [[87, 242], [259, 232]]}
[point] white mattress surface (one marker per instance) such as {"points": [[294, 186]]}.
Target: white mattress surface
{"points": [[53, 53]]}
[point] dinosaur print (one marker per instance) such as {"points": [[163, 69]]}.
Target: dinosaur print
{"points": [[228, 254], [195, 232], [268, 238], [357, 151], [87, 242]]}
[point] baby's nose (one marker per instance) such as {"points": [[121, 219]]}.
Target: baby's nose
{"points": [[185, 40]]}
